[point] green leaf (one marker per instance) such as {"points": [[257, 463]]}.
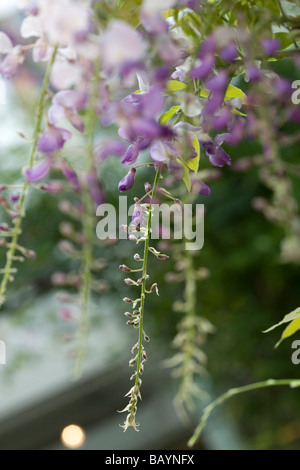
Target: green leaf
{"points": [[288, 318], [165, 118], [191, 165], [235, 92], [187, 180], [294, 319], [232, 92], [175, 85], [289, 330]]}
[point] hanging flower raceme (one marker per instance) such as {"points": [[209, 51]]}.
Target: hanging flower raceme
{"points": [[13, 57]]}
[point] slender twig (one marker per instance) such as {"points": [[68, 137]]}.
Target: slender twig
{"points": [[143, 288], [293, 383], [21, 209]]}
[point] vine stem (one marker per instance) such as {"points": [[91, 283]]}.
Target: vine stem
{"points": [[293, 383], [143, 286], [21, 210], [88, 232]]}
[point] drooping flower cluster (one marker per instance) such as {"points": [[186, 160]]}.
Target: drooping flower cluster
{"points": [[173, 87]]}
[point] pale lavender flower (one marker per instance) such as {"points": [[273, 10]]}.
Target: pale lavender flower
{"points": [[120, 44], [53, 139], [66, 104], [11, 62], [137, 216], [38, 172]]}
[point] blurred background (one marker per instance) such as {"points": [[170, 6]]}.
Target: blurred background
{"points": [[247, 291]]}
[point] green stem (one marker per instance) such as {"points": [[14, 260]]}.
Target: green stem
{"points": [[143, 286], [88, 233], [21, 213], [293, 383]]}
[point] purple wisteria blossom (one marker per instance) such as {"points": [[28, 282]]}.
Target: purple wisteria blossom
{"points": [[138, 119], [270, 46], [53, 139], [121, 44], [128, 181], [137, 216], [65, 105], [217, 156], [38, 172]]}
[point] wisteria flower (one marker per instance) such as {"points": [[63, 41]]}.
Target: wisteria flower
{"points": [[53, 139], [121, 44], [38, 172], [65, 105], [216, 154], [14, 57], [128, 181]]}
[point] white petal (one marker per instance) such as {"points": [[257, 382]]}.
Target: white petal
{"points": [[65, 75], [121, 43], [5, 44], [31, 27]]}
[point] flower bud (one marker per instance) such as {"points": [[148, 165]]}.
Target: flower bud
{"points": [[125, 269], [128, 181], [163, 257]]}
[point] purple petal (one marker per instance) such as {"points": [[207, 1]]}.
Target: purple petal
{"points": [[71, 99], [145, 127], [131, 155], [113, 147], [152, 103], [217, 82], [158, 151], [203, 70], [214, 102], [229, 53], [128, 181], [253, 73], [70, 174], [217, 156], [53, 139], [208, 47], [221, 120], [201, 188], [270, 46], [137, 216], [38, 172]]}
